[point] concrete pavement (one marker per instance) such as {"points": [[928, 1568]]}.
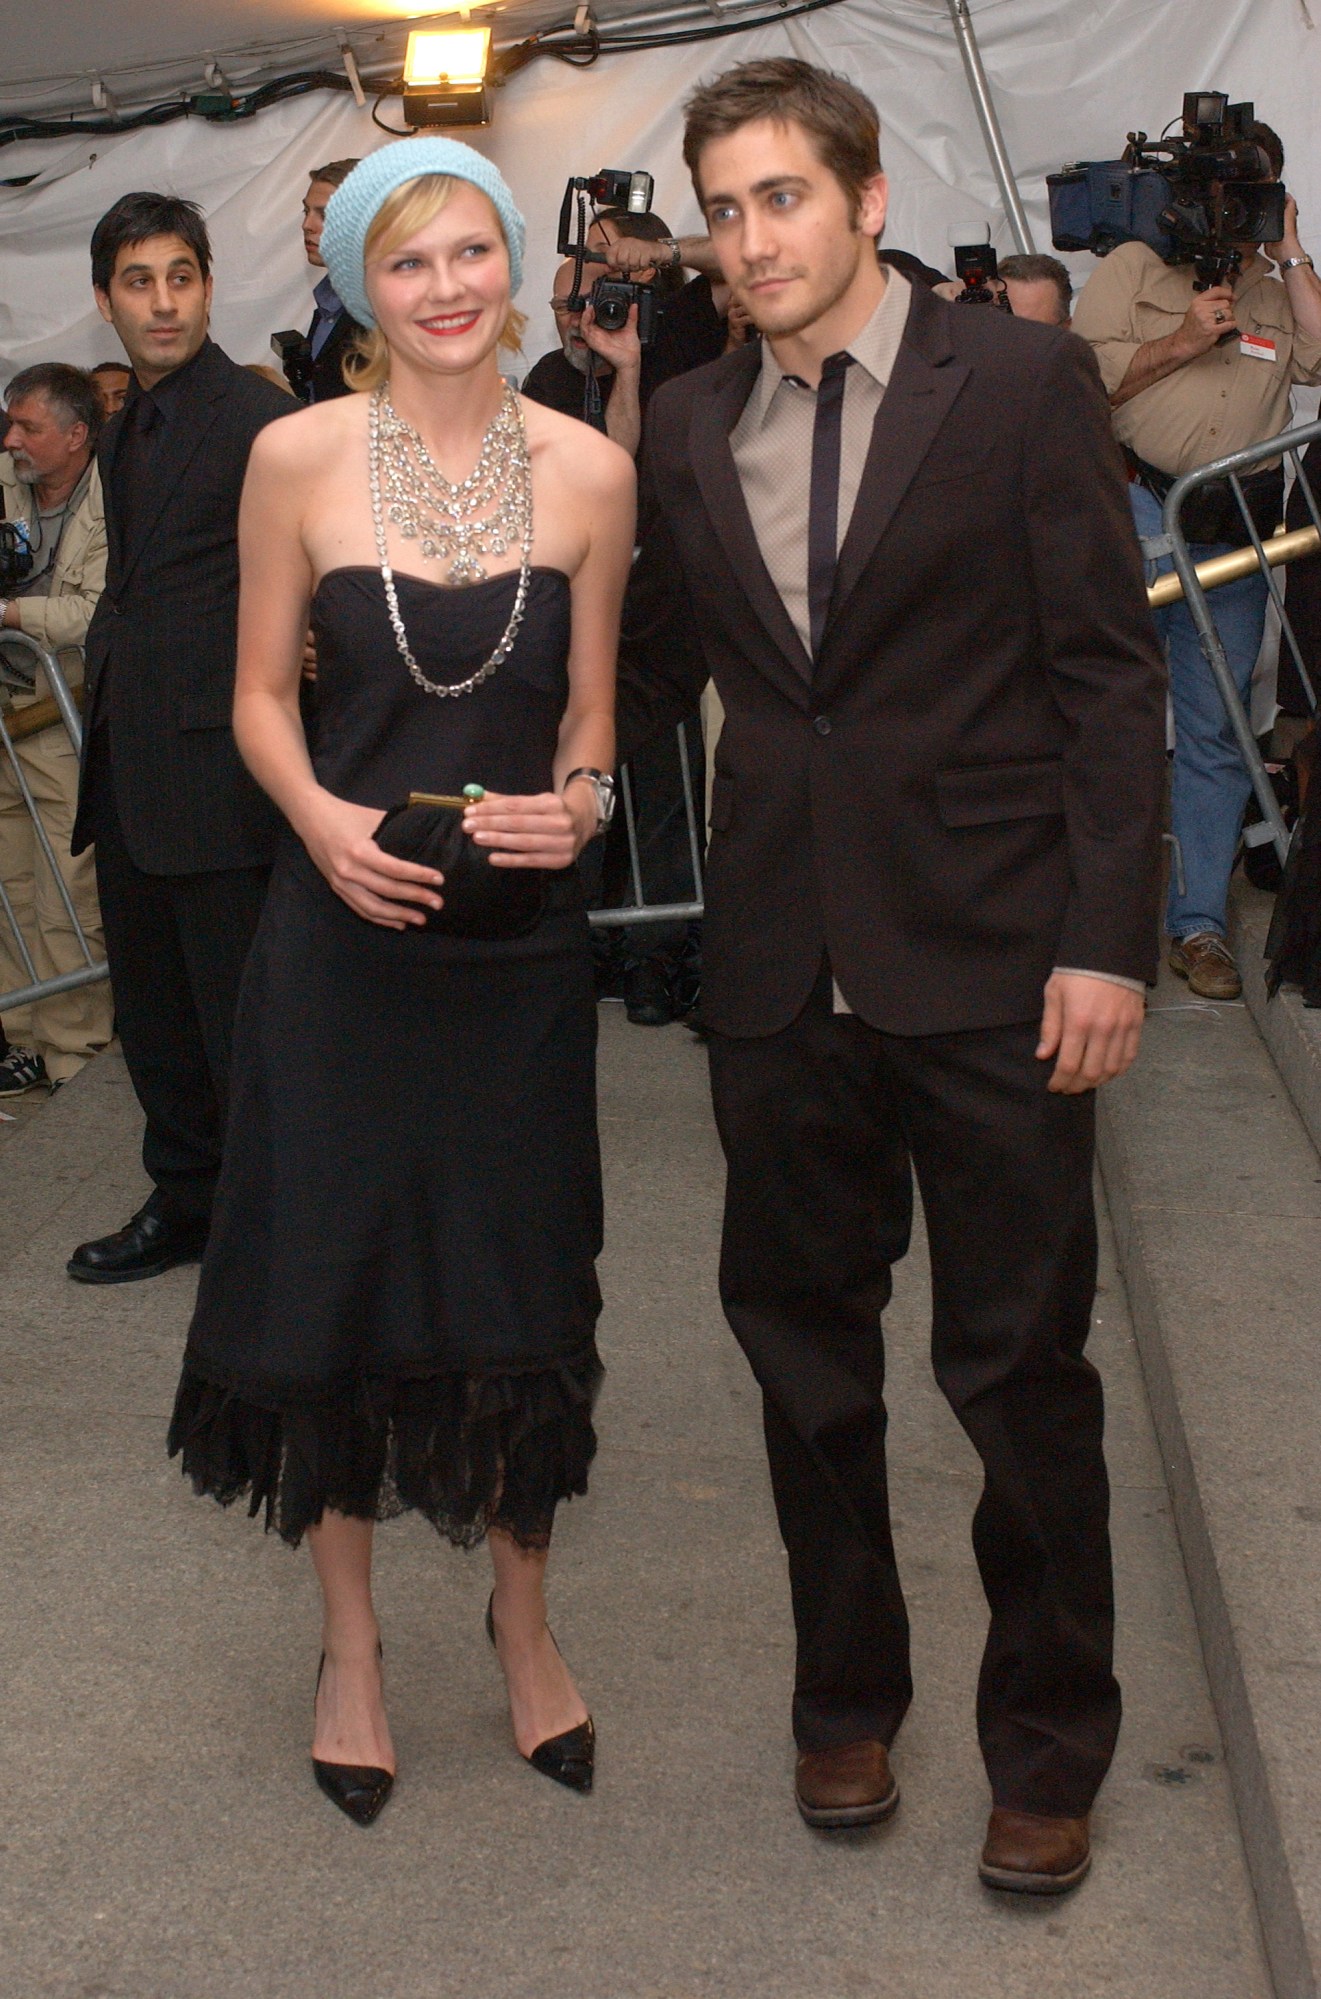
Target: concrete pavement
{"points": [[163, 1838]]}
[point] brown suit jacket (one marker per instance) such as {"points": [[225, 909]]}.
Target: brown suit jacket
{"points": [[965, 790]]}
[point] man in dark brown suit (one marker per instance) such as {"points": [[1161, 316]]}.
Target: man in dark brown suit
{"points": [[896, 534]]}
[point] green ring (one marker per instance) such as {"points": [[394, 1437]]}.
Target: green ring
{"points": [[475, 792]]}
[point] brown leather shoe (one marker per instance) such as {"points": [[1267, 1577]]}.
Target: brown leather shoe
{"points": [[1034, 1856], [1204, 959], [851, 1786]]}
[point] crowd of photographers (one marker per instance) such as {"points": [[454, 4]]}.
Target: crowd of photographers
{"points": [[1199, 357]]}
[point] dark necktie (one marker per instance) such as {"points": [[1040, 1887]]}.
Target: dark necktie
{"points": [[133, 464], [823, 498]]}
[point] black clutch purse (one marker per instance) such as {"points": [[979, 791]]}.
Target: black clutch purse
{"points": [[479, 900]]}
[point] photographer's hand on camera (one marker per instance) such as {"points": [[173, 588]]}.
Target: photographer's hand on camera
{"points": [[1295, 267], [622, 352], [1208, 321]]}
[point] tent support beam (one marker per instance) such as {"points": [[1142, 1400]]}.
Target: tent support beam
{"points": [[990, 124]]}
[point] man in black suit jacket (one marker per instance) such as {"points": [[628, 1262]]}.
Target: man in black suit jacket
{"points": [[896, 536], [184, 837]]}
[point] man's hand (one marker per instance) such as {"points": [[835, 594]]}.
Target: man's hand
{"points": [[1289, 244], [1092, 1026], [1207, 321], [623, 350]]}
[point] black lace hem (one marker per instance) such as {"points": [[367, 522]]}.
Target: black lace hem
{"points": [[470, 1451]]}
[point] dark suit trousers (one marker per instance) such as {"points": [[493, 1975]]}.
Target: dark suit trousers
{"points": [[818, 1123], [176, 945]]}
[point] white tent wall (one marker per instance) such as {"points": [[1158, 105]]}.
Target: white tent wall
{"points": [[1069, 77]]}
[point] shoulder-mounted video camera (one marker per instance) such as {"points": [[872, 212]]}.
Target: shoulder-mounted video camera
{"points": [[1194, 199], [611, 299]]}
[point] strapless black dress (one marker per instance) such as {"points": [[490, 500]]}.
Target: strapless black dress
{"points": [[398, 1302]]}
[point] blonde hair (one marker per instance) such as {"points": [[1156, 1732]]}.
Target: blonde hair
{"points": [[403, 212]]}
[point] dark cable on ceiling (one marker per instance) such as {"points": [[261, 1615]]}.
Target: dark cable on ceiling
{"points": [[217, 107]]}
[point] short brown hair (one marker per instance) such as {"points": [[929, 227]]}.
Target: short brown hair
{"points": [[336, 173], [843, 124], [1039, 270]]}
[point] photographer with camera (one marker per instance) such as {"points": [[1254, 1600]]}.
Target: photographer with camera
{"points": [[1197, 369], [605, 373], [613, 360], [52, 570]]}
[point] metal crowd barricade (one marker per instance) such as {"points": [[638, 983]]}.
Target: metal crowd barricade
{"points": [[60, 710], [1193, 581], [640, 910]]}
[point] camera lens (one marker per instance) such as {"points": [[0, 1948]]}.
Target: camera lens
{"points": [[612, 314]]}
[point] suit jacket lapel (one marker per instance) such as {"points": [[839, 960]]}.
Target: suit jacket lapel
{"points": [[919, 396], [712, 460]]}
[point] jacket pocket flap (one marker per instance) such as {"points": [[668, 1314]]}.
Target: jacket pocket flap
{"points": [[983, 794]]}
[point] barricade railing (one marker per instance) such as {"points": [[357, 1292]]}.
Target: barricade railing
{"points": [[58, 710], [1192, 581], [640, 910]]}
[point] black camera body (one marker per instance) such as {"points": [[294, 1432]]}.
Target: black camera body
{"points": [[293, 351], [15, 556], [1194, 199], [611, 299], [977, 266]]}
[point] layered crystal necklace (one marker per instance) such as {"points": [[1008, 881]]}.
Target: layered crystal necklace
{"points": [[484, 514]]}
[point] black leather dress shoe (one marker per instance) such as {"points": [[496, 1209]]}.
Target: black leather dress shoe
{"points": [[152, 1242]]}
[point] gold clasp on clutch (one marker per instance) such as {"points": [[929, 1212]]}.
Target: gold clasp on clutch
{"points": [[473, 794]]}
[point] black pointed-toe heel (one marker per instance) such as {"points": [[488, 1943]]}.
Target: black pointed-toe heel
{"points": [[359, 1790], [568, 1759]]}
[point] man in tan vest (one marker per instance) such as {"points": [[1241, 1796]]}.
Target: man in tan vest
{"points": [[49, 482]]}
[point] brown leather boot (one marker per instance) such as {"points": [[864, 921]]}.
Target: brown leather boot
{"points": [[851, 1786], [1205, 960], [1029, 1855]]}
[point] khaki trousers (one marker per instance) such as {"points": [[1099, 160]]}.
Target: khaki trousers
{"points": [[66, 1028]]}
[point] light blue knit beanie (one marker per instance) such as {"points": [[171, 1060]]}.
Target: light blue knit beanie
{"points": [[353, 206]]}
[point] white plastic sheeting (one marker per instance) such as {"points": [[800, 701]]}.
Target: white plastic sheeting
{"points": [[1070, 78]]}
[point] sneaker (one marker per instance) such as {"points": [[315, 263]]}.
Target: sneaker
{"points": [[22, 1071], [1204, 959]]}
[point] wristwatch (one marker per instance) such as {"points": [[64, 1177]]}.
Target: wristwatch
{"points": [[676, 254], [1292, 263], [604, 787]]}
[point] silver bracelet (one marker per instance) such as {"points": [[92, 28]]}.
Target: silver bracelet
{"points": [[1292, 263]]}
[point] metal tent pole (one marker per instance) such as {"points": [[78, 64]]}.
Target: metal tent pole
{"points": [[990, 124]]}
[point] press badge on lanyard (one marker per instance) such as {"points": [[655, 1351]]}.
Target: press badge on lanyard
{"points": [[1257, 346]]}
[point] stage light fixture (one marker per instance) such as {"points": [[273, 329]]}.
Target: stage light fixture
{"points": [[445, 76]]}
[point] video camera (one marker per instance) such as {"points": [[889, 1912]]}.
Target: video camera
{"points": [[611, 299], [1193, 199], [15, 556]]}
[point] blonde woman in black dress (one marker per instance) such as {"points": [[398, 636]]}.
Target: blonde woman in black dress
{"points": [[398, 1304]]}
